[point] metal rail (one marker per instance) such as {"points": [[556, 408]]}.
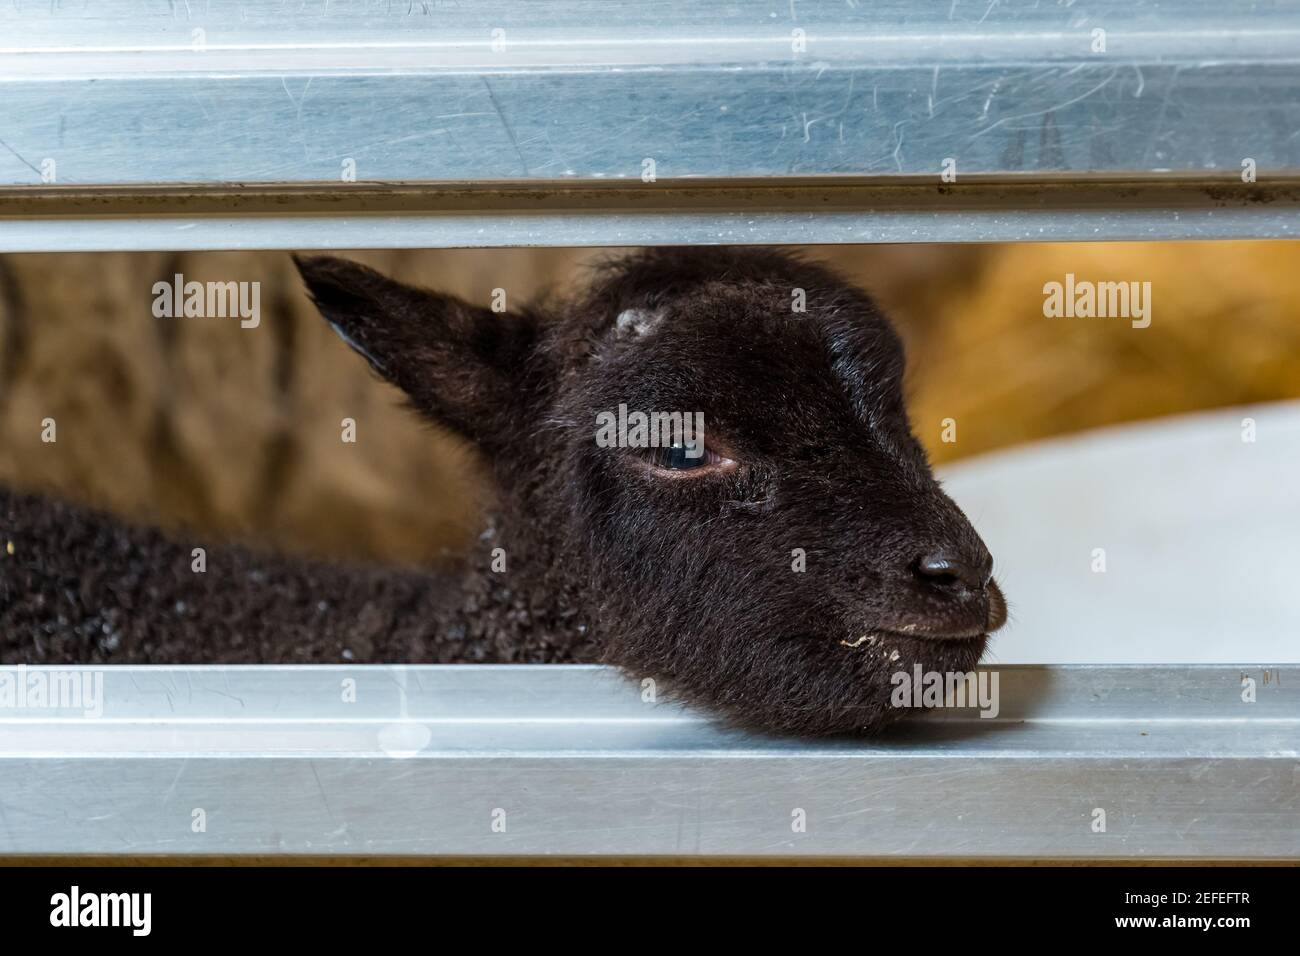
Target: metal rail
{"points": [[1172, 760], [272, 91], [1166, 104]]}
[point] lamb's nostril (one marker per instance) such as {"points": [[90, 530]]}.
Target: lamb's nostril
{"points": [[946, 570]]}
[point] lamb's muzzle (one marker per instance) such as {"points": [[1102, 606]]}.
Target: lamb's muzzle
{"points": [[969, 587]]}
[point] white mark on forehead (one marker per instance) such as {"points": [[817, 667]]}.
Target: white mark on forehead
{"points": [[637, 321]]}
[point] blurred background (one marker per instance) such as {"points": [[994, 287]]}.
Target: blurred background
{"points": [[233, 432]]}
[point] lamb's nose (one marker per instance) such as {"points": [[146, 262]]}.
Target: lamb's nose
{"points": [[945, 569]]}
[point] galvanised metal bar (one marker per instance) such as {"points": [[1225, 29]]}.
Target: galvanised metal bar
{"points": [[546, 100], [244, 91], [1133, 762]]}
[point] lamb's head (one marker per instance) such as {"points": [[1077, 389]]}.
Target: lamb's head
{"points": [[781, 570]]}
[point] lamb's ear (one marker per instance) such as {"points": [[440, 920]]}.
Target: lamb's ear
{"points": [[460, 364]]}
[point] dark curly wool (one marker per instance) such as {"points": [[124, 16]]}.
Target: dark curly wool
{"points": [[780, 585]]}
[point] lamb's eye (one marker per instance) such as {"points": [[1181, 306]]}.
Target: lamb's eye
{"points": [[685, 457], [682, 456]]}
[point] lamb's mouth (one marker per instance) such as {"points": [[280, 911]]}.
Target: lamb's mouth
{"points": [[878, 639], [953, 632]]}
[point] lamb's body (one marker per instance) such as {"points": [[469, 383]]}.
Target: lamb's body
{"points": [[82, 587]]}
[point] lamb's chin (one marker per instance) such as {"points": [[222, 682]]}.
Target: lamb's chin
{"points": [[949, 654], [932, 653]]}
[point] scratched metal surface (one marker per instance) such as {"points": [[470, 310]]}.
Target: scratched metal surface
{"points": [[581, 764], [269, 91]]}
